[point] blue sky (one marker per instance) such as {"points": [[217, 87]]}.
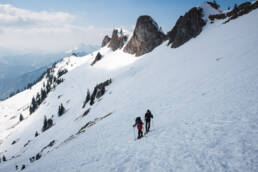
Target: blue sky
{"points": [[94, 17], [114, 13]]}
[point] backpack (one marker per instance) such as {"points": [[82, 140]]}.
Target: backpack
{"points": [[138, 121]]}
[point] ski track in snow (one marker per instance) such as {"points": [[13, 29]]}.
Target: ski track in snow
{"points": [[203, 96]]}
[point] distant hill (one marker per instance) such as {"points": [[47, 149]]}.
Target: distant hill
{"points": [[17, 70]]}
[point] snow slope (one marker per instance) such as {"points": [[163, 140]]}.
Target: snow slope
{"points": [[203, 96]]}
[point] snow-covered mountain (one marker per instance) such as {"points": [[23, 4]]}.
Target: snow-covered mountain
{"points": [[17, 70], [15, 84], [203, 94]]}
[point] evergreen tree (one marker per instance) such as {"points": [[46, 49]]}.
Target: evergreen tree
{"points": [[55, 79], [38, 156], [43, 94], [48, 87], [215, 5], [48, 123], [33, 105], [17, 91], [31, 109], [93, 95], [235, 6], [87, 99], [4, 159], [38, 99], [61, 110], [88, 96], [44, 124], [21, 117]]}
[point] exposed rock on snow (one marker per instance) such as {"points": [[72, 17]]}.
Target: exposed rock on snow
{"points": [[26, 144], [147, 36], [237, 11], [190, 25], [86, 112], [187, 27], [117, 40], [217, 16], [61, 72], [91, 123], [105, 41], [99, 90], [97, 58], [49, 145], [39, 155]]}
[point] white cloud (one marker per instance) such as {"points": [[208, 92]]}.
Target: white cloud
{"points": [[11, 16], [45, 31], [50, 39]]}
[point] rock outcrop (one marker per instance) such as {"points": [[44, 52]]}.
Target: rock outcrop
{"points": [[105, 41], [147, 35], [97, 58], [117, 40], [99, 91], [237, 11], [187, 27]]}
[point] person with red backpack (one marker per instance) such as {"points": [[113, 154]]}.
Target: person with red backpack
{"points": [[139, 124]]}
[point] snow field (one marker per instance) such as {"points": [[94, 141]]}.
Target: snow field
{"points": [[203, 96]]}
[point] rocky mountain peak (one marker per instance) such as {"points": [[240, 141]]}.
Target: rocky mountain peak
{"points": [[236, 12], [187, 27], [105, 41], [146, 36], [117, 40]]}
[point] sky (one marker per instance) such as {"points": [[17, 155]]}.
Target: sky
{"points": [[58, 25]]}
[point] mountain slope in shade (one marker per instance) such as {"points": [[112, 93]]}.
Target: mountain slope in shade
{"points": [[18, 70], [11, 85]]}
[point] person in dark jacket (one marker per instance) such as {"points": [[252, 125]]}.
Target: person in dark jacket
{"points": [[138, 123], [148, 116]]}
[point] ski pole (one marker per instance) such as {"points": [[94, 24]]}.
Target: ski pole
{"points": [[143, 128], [134, 133]]}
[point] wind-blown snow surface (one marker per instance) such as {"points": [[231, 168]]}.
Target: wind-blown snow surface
{"points": [[203, 95]]}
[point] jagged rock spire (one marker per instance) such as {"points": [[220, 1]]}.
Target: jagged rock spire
{"points": [[147, 35]]}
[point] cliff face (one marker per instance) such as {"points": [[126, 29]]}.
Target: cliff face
{"points": [[146, 36], [236, 12], [187, 27], [105, 41], [117, 40]]}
